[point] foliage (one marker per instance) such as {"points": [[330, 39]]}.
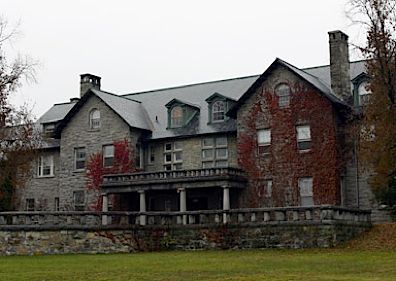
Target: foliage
{"points": [[18, 135], [6, 195], [123, 163], [377, 147]]}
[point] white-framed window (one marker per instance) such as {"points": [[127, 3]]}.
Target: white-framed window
{"points": [[214, 152], [94, 119], [108, 155], [45, 166], [304, 137], [173, 155], [218, 111], [264, 141], [364, 93], [306, 193], [282, 91], [79, 200], [29, 204], [151, 154], [79, 158], [176, 117]]}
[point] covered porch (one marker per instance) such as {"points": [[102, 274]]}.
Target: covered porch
{"points": [[175, 191]]}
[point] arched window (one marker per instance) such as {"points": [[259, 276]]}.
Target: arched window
{"points": [[282, 91], [176, 117], [364, 93], [94, 119], [218, 111]]}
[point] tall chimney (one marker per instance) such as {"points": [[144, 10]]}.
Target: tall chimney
{"points": [[339, 65], [87, 82]]}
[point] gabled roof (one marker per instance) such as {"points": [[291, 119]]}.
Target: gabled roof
{"points": [[217, 95], [131, 111], [56, 113], [314, 81], [178, 101]]}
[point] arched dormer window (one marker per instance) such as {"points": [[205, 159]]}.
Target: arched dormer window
{"points": [[218, 111], [94, 119], [176, 117], [282, 91], [363, 92]]}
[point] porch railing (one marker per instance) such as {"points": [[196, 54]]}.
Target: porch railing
{"points": [[86, 220], [169, 175]]}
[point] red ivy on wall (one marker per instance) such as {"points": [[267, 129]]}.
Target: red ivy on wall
{"points": [[123, 163]]}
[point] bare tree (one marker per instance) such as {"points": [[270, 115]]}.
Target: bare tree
{"points": [[18, 135]]}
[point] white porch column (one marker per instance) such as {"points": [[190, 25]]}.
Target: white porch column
{"points": [[142, 206], [226, 202], [183, 203], [105, 208]]}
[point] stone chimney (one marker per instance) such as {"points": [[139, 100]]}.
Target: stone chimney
{"points": [[339, 65], [87, 82]]}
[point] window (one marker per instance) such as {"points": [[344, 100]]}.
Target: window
{"points": [[264, 141], [79, 158], [56, 204], [29, 204], [214, 152], [79, 200], [173, 156], [177, 117], [282, 91], [138, 156], [303, 137], [94, 119], [218, 111], [150, 154], [108, 155], [364, 93], [306, 194], [49, 128], [45, 166]]}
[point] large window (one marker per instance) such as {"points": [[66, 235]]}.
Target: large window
{"points": [[79, 158], [173, 156], [45, 166], [282, 91], [306, 194], [79, 200], [264, 141], [303, 137], [94, 119], [177, 117], [214, 152], [218, 111], [108, 155]]}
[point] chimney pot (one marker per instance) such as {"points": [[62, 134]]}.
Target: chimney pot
{"points": [[87, 82]]}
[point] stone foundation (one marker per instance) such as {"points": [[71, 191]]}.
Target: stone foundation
{"points": [[177, 237]]}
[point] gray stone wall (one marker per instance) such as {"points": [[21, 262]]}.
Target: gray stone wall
{"points": [[291, 235], [42, 189], [192, 152]]}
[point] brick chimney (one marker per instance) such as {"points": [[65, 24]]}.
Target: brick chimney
{"points": [[339, 65], [87, 82]]}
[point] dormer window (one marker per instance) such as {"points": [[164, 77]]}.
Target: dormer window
{"points": [[218, 111], [282, 91], [364, 93], [177, 117], [94, 119]]}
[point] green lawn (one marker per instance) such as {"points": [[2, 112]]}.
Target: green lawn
{"points": [[337, 264]]}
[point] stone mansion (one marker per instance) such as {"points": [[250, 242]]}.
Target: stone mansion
{"points": [[270, 140]]}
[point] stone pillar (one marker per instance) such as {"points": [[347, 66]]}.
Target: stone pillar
{"points": [[183, 203], [142, 206], [226, 202], [105, 208]]}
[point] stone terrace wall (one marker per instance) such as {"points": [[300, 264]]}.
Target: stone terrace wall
{"points": [[179, 237]]}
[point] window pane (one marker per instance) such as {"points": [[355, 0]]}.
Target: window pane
{"points": [[264, 136], [209, 142], [221, 141], [207, 165], [177, 116], [177, 166], [168, 158], [168, 167], [94, 119], [221, 163], [168, 147], [218, 109], [178, 145], [283, 92], [207, 154], [307, 201], [303, 132], [305, 185], [108, 150], [178, 156], [304, 145], [221, 153]]}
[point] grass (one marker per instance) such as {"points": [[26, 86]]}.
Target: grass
{"points": [[333, 264]]}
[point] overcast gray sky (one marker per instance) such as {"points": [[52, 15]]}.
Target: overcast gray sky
{"points": [[144, 45]]}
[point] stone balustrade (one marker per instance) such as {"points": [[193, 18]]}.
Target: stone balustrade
{"points": [[257, 216], [169, 175]]}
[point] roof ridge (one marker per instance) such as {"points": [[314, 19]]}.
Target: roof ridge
{"points": [[328, 65], [118, 96], [189, 85]]}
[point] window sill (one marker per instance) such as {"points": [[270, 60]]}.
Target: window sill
{"points": [[305, 151], [45, 177], [93, 130], [79, 171]]}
